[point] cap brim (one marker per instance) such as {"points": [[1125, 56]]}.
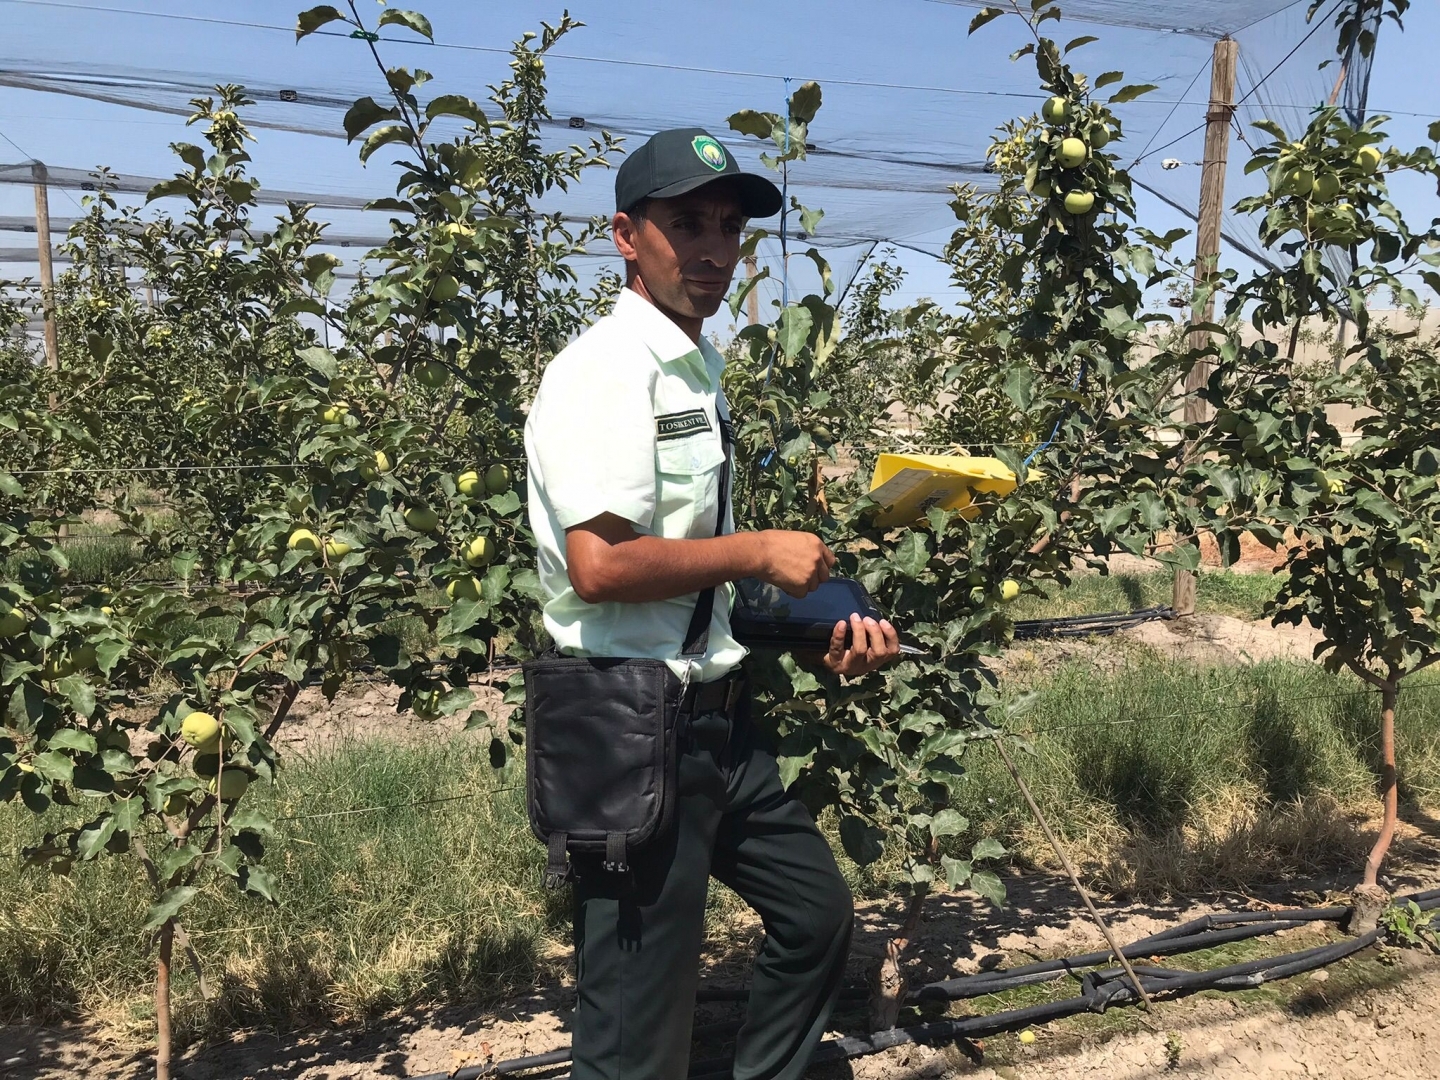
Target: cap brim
{"points": [[759, 198]]}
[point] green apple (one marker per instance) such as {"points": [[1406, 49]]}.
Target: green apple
{"points": [[382, 464], [202, 731], [446, 288], [1009, 590], [1099, 136], [497, 479], [336, 413], [1368, 159], [206, 765], [466, 588], [422, 519], [83, 658], [1041, 189], [1325, 187], [1297, 182], [336, 549], [176, 806], [426, 703], [468, 483], [115, 739], [303, 540], [1079, 202], [431, 374], [12, 623], [479, 551], [1056, 110], [233, 784], [1073, 152]]}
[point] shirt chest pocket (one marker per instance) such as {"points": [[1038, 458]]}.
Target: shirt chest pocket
{"points": [[687, 485]]}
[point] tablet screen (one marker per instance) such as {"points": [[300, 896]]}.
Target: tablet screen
{"points": [[836, 599]]}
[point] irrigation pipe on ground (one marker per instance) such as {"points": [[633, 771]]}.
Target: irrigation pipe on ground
{"points": [[1100, 989]]}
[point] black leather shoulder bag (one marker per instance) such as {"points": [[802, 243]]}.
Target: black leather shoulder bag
{"points": [[601, 735]]}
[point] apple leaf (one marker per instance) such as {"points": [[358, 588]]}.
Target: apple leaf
{"points": [[739, 296], [985, 15], [390, 133], [988, 848], [1130, 93], [989, 886], [168, 906], [805, 102], [309, 21], [365, 114], [412, 19], [456, 105]]}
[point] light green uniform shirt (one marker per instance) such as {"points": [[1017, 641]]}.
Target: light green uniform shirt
{"points": [[627, 422]]}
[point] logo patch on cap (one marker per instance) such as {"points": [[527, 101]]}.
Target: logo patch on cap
{"points": [[710, 152]]}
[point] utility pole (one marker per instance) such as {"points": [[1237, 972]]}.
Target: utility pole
{"points": [[47, 267], [752, 302], [1207, 249]]}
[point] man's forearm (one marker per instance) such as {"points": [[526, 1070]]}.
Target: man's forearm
{"points": [[640, 569]]}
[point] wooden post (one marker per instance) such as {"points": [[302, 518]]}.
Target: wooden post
{"points": [[1207, 248], [47, 266], [752, 302]]}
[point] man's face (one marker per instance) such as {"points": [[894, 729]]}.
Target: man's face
{"points": [[685, 249]]}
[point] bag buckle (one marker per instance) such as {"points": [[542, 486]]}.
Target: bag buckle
{"points": [[557, 865]]}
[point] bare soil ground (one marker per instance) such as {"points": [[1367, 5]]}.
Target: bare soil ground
{"points": [[1369, 1016]]}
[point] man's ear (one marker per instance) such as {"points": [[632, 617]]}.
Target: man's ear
{"points": [[623, 229]]}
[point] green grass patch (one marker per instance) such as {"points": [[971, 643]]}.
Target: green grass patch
{"points": [[1170, 778], [376, 908], [1220, 592]]}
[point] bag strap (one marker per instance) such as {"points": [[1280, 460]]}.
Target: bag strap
{"points": [[697, 637]]}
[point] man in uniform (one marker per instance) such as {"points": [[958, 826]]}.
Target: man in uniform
{"points": [[626, 442]]}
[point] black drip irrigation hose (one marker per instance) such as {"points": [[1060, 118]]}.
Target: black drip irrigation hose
{"points": [[1100, 989], [1086, 625]]}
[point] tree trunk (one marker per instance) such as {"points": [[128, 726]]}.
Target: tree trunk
{"points": [[887, 989], [1388, 791], [162, 1001]]}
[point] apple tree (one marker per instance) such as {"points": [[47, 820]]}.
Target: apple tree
{"points": [[886, 752], [1359, 519]]}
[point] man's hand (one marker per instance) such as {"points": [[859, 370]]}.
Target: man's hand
{"points": [[872, 646], [796, 562]]}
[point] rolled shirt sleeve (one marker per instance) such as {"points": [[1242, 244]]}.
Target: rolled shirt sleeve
{"points": [[592, 432]]}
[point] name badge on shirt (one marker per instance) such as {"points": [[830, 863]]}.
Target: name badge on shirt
{"points": [[679, 425]]}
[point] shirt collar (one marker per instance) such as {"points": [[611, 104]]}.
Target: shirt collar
{"points": [[667, 341]]}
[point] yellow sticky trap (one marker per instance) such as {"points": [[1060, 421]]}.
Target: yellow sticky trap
{"points": [[908, 485]]}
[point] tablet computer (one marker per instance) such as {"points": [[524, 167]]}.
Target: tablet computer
{"points": [[766, 617]]}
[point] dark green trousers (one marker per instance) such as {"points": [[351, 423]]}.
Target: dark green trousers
{"points": [[637, 942]]}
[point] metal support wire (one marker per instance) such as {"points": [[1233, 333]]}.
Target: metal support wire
{"points": [[1070, 870]]}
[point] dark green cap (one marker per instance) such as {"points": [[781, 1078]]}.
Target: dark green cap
{"points": [[674, 162]]}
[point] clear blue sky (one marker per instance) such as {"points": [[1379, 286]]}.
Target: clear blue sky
{"points": [[948, 91]]}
